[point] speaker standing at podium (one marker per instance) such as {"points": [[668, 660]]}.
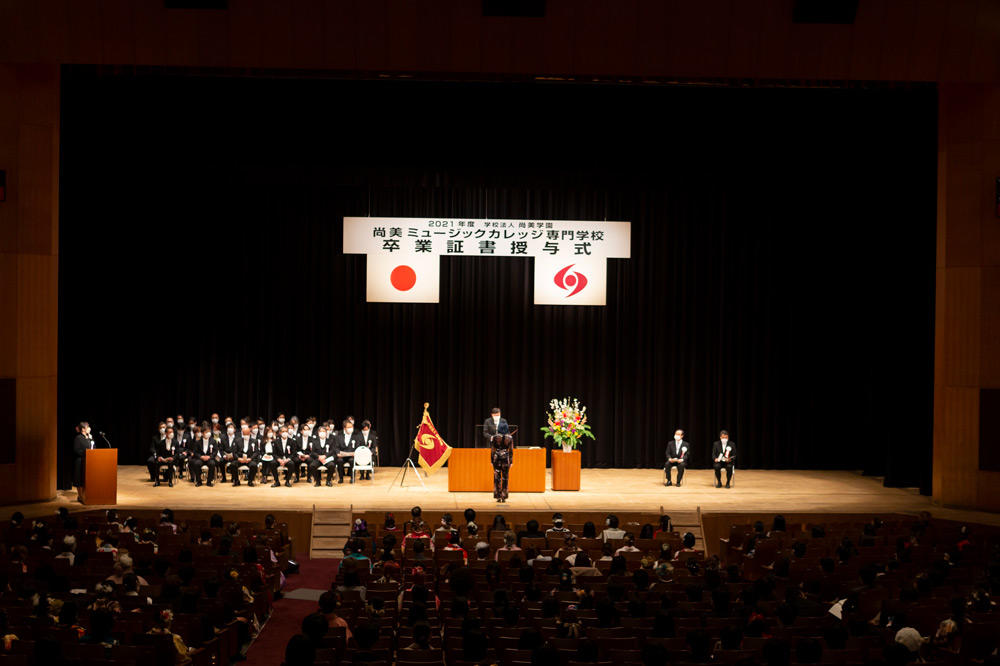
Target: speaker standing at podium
{"points": [[491, 426], [81, 444]]}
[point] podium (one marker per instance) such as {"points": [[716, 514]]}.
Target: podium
{"points": [[565, 470], [469, 470], [100, 480]]}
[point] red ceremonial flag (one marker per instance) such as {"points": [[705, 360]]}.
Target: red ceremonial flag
{"points": [[432, 450]]}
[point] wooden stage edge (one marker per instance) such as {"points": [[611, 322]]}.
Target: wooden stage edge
{"points": [[605, 490]]}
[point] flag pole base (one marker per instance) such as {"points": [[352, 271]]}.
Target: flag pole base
{"points": [[407, 464]]}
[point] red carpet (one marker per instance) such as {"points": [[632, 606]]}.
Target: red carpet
{"points": [[286, 616]]}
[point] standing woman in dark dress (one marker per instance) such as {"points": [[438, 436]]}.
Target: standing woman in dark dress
{"points": [[81, 444], [502, 457]]}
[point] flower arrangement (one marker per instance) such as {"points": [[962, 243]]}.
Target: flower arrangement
{"points": [[567, 422]]}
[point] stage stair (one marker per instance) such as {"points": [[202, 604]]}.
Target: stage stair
{"points": [[687, 521], [331, 529]]}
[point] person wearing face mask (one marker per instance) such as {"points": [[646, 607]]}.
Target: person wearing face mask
{"points": [[82, 443], [723, 455], [204, 456], [346, 442], [186, 442], [323, 458], [165, 455], [369, 438], [215, 419], [491, 426], [245, 452], [284, 449], [678, 454], [269, 458], [226, 449], [160, 435], [302, 452]]}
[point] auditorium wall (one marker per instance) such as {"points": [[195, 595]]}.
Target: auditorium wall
{"points": [[967, 324], [29, 153]]}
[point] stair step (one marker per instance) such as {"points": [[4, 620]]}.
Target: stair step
{"points": [[328, 542], [326, 530], [325, 554]]}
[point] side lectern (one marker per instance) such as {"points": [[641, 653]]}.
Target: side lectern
{"points": [[566, 470], [100, 480]]}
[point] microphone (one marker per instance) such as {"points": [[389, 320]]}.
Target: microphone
{"points": [[101, 433]]}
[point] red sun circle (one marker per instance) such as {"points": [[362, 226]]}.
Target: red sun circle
{"points": [[569, 280], [403, 278]]}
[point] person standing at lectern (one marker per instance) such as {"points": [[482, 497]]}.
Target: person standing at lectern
{"points": [[723, 455], [491, 426], [82, 443], [678, 454], [502, 458]]}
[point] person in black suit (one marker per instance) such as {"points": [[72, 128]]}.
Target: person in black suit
{"points": [[226, 449], [491, 426], [346, 441], [302, 451], [678, 455], [185, 447], [166, 452], [82, 443], [268, 457], [244, 453], [157, 438], [284, 457], [323, 457], [723, 455], [203, 455], [369, 438]]}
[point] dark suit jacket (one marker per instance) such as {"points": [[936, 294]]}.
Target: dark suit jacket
{"points": [[306, 446], [319, 449], [80, 446], [196, 448], [342, 446], [717, 449], [284, 449], [674, 450], [372, 439], [251, 451], [227, 443], [161, 449], [489, 429], [157, 438]]}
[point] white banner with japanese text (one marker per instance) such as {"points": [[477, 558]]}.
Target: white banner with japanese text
{"points": [[404, 254]]}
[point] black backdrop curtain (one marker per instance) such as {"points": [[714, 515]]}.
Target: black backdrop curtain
{"points": [[780, 285]]}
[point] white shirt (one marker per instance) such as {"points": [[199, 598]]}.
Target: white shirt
{"points": [[205, 445]]}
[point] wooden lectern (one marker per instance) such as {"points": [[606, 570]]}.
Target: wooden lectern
{"points": [[100, 480], [566, 470]]}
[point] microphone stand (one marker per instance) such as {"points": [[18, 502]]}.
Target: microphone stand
{"points": [[105, 440]]}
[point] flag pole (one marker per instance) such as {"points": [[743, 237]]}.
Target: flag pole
{"points": [[408, 463]]}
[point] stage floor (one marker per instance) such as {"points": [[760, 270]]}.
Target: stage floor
{"points": [[601, 489]]}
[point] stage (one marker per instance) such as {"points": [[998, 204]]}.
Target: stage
{"points": [[632, 490]]}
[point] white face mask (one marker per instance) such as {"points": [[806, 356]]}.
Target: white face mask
{"points": [[284, 435], [163, 431], [725, 440], [215, 420], [230, 432], [349, 430], [678, 438]]}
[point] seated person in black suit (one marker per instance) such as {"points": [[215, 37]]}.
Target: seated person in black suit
{"points": [[723, 455], [678, 455]]}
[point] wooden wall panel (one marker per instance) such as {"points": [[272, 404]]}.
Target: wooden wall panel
{"points": [[925, 44], [37, 312], [989, 369], [118, 30], [8, 315], [959, 35], [307, 19], [962, 242], [956, 448], [38, 160], [960, 337]]}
